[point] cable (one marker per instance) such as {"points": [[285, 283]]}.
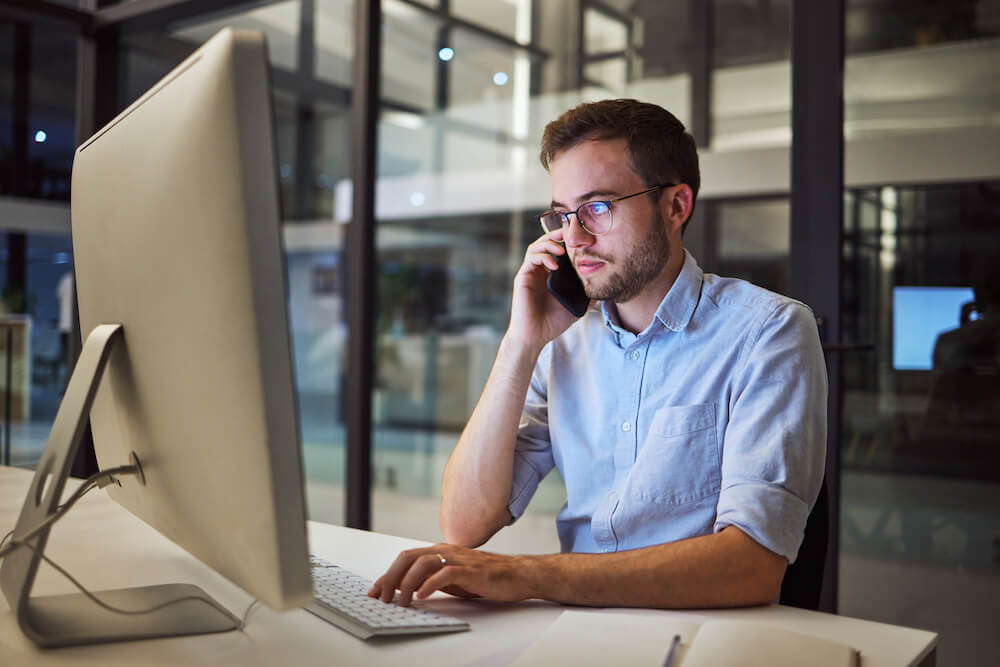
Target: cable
{"points": [[92, 482], [246, 614], [2, 541], [88, 484], [131, 612], [82, 494], [49, 520]]}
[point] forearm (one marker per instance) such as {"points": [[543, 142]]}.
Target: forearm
{"points": [[477, 478], [726, 569]]}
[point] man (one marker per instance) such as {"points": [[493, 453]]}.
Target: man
{"points": [[685, 413]]}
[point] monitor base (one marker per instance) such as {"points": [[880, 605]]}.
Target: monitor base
{"points": [[75, 620]]}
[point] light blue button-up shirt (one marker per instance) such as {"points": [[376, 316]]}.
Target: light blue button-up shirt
{"points": [[714, 415]]}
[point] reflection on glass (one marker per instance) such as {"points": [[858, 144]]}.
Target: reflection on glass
{"points": [[920, 66], [909, 68], [919, 316], [6, 110], [751, 33], [472, 75], [279, 21], [34, 329], [409, 56], [51, 119], [319, 335], [603, 33], [753, 242], [919, 89], [880, 26], [925, 269], [39, 81], [921, 406], [334, 35], [498, 15], [610, 74], [963, 406], [751, 77]]}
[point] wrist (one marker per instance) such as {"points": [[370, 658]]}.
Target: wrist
{"points": [[536, 576], [520, 347]]}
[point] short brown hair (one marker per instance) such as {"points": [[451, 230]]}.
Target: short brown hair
{"points": [[659, 148]]}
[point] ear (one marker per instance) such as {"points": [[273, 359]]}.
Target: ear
{"points": [[676, 205]]}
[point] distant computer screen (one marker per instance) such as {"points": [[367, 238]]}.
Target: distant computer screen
{"points": [[919, 316]]}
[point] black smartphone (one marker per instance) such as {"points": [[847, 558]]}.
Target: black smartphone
{"points": [[565, 285]]}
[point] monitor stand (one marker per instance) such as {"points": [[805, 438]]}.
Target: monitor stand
{"points": [[71, 620]]}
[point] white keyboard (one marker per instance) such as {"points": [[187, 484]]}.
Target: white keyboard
{"points": [[341, 598]]}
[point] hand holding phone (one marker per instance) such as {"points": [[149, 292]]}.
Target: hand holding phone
{"points": [[565, 285]]}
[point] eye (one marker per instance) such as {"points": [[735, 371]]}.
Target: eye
{"points": [[599, 207]]}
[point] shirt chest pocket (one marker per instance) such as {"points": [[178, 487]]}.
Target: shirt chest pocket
{"points": [[679, 460]]}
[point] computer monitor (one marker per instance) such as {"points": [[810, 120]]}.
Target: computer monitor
{"points": [[182, 293], [919, 316]]}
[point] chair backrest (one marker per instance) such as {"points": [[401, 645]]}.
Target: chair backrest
{"points": [[803, 580]]}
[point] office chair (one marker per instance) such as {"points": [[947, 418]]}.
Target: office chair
{"points": [[803, 580]]}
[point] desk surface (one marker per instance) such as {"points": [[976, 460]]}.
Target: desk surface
{"points": [[104, 546]]}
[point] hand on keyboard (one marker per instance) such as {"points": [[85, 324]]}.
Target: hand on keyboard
{"points": [[456, 570], [340, 597]]}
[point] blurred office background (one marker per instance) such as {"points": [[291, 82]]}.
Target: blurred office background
{"points": [[465, 89]]}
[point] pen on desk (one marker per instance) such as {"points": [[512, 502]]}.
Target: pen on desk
{"points": [[669, 660]]}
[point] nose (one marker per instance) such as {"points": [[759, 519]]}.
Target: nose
{"points": [[575, 235]]}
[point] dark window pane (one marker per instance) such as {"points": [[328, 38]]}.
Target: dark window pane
{"points": [[6, 108]]}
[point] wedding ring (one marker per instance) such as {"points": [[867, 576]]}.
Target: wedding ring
{"points": [[444, 561]]}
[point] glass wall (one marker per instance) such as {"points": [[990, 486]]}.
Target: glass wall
{"points": [[750, 240], [456, 194], [311, 62], [459, 186], [751, 87], [920, 67], [920, 524], [37, 140], [6, 108], [746, 224], [52, 114]]}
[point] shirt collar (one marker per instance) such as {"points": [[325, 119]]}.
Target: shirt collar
{"points": [[678, 305]]}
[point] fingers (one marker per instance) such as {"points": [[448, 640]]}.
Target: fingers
{"points": [[422, 569], [556, 235], [449, 575], [543, 250], [406, 573], [393, 577], [465, 573]]}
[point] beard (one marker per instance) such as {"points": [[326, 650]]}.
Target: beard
{"points": [[643, 264]]}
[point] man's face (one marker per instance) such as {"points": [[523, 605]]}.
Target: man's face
{"points": [[615, 266]]}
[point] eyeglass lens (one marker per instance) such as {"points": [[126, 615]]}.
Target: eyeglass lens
{"points": [[595, 217]]}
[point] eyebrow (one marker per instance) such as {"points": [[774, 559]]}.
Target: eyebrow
{"points": [[586, 196]]}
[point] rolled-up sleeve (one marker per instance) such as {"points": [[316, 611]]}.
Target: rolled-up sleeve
{"points": [[533, 454], [774, 447]]}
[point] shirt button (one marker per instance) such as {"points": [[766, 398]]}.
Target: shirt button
{"points": [[634, 354], [626, 426], [612, 496]]}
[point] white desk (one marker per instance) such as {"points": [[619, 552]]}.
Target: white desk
{"points": [[106, 547]]}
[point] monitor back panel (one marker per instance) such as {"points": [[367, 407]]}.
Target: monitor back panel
{"points": [[176, 236]]}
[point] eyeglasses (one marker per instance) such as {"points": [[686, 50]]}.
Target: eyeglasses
{"points": [[595, 216]]}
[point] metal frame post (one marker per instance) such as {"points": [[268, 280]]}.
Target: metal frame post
{"points": [[361, 266], [817, 191]]}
